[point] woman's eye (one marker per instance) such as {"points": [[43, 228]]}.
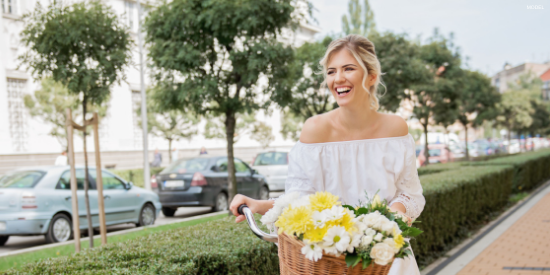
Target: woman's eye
{"points": [[349, 69], [330, 72]]}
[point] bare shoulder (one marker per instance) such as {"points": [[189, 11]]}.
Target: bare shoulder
{"points": [[316, 129], [394, 125]]}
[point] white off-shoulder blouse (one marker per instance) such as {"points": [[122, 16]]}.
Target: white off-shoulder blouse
{"points": [[348, 169]]}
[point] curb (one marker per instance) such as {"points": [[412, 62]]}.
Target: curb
{"points": [[40, 247], [457, 251]]}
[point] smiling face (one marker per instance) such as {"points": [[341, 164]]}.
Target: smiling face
{"points": [[345, 79]]}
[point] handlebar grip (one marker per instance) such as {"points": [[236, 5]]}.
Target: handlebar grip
{"points": [[240, 209]]}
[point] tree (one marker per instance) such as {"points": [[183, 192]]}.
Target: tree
{"points": [[172, 125], [84, 47], [214, 53], [360, 19], [307, 97], [476, 102], [215, 128], [262, 133], [50, 102], [517, 110]]}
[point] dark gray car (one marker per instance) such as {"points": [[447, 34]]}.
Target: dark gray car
{"points": [[203, 181]]}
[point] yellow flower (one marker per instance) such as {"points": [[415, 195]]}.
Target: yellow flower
{"points": [[316, 235], [399, 241], [376, 201], [295, 220], [346, 221], [323, 200]]}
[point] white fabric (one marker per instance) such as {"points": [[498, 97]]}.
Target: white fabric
{"points": [[348, 169]]}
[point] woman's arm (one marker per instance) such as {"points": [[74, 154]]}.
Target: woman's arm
{"points": [[256, 206]]}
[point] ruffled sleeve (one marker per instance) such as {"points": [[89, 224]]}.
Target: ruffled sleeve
{"points": [[409, 190], [297, 179]]}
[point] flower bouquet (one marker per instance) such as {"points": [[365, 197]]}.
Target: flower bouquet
{"points": [[319, 235]]}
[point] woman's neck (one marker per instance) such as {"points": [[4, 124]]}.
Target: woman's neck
{"points": [[356, 118]]}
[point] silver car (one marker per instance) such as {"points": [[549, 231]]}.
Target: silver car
{"points": [[274, 166], [37, 201]]}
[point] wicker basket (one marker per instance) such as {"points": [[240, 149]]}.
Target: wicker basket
{"points": [[293, 262]]}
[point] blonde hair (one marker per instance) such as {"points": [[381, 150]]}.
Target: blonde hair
{"points": [[363, 50]]}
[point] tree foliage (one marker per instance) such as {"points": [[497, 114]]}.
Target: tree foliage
{"points": [[215, 52], [50, 103], [360, 18]]}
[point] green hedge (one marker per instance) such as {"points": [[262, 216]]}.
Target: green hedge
{"points": [[136, 175], [438, 168], [216, 247], [457, 201]]}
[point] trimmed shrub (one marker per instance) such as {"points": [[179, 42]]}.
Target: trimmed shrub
{"points": [[136, 175], [216, 247], [438, 168], [457, 201]]}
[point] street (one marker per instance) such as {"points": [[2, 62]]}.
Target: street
{"points": [[15, 243]]}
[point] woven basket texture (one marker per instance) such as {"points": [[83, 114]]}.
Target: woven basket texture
{"points": [[293, 262]]}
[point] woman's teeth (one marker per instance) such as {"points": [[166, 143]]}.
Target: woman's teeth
{"points": [[343, 90]]}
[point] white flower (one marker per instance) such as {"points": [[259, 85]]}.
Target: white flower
{"points": [[366, 241], [319, 219], [336, 212], [370, 232], [396, 231], [337, 237], [374, 220], [391, 243], [382, 253], [361, 226], [303, 201], [355, 242], [378, 237], [270, 218], [389, 226], [331, 250], [312, 251]]}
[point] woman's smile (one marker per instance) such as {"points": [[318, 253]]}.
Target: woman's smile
{"points": [[343, 90]]}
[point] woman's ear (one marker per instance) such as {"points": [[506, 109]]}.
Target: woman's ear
{"points": [[372, 79]]}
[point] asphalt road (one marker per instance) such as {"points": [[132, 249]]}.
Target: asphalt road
{"points": [[16, 243]]}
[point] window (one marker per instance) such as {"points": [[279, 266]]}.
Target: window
{"points": [[64, 182], [187, 166], [23, 179], [240, 167], [271, 158], [110, 182], [138, 134], [9, 6], [17, 114], [221, 165]]}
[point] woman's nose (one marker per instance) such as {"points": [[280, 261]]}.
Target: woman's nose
{"points": [[339, 77]]}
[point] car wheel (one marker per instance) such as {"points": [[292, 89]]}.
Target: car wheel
{"points": [[264, 193], [221, 203], [3, 240], [60, 229], [168, 212], [147, 215]]}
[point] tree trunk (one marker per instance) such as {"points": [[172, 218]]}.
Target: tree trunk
{"points": [[426, 151], [86, 177], [466, 140], [230, 132], [169, 151]]}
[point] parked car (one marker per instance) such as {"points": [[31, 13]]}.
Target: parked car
{"points": [[513, 146], [203, 181], [37, 201], [274, 166], [439, 153]]}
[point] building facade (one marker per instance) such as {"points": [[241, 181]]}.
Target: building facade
{"points": [[119, 130], [510, 74]]}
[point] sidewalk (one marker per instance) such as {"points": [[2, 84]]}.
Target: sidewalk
{"points": [[519, 244]]}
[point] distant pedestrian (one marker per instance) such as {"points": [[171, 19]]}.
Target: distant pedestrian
{"points": [[203, 151], [62, 159], [175, 154], [157, 159]]}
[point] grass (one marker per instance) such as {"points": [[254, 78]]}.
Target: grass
{"points": [[517, 197], [18, 261]]}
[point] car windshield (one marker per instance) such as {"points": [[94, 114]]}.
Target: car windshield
{"points": [[271, 158], [187, 166], [23, 179], [435, 152]]}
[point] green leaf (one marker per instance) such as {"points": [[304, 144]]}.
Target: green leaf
{"points": [[361, 211], [413, 232], [350, 208], [352, 259], [366, 262]]}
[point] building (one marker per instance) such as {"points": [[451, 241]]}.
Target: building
{"points": [[511, 74], [119, 130], [545, 77]]}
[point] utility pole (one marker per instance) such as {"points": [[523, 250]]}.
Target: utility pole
{"points": [[146, 173]]}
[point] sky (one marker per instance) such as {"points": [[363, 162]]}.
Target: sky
{"points": [[489, 32]]}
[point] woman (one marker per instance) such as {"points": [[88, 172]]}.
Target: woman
{"points": [[353, 149]]}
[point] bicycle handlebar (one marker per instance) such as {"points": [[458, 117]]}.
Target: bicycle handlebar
{"points": [[244, 210]]}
